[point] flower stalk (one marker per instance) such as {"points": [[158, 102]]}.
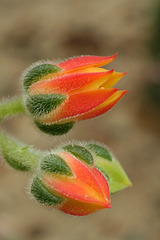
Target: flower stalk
{"points": [[18, 155], [11, 107]]}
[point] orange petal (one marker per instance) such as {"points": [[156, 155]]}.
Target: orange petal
{"points": [[77, 208], [84, 172], [104, 107], [79, 103], [115, 77], [85, 61], [97, 83], [73, 188], [103, 183], [71, 82], [91, 70]]}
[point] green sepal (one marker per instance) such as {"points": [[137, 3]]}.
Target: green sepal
{"points": [[54, 129], [110, 168], [80, 152], [42, 104], [42, 194], [100, 151], [38, 72], [53, 163]]}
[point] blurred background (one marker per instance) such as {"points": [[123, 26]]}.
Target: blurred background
{"points": [[32, 30]]}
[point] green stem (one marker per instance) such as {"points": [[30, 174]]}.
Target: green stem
{"points": [[19, 155], [11, 107]]}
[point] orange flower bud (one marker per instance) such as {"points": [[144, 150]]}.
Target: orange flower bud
{"points": [[75, 89], [69, 181]]}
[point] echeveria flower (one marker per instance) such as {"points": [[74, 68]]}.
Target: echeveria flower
{"points": [[78, 178], [71, 183], [60, 94]]}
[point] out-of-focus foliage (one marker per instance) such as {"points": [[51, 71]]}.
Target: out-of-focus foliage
{"points": [[155, 36]]}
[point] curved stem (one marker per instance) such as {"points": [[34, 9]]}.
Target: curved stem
{"points": [[19, 155], [11, 107]]}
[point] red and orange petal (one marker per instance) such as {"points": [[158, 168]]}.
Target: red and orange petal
{"points": [[76, 208], [79, 103], [104, 107], [80, 62], [87, 174], [71, 82], [73, 188], [102, 183]]}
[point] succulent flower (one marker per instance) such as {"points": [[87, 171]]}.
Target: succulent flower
{"points": [[58, 95], [71, 183], [78, 178]]}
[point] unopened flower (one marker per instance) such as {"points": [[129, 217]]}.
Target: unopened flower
{"points": [[60, 94], [69, 181]]}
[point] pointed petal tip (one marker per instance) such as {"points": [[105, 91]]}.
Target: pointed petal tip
{"points": [[125, 73], [115, 55], [114, 89], [121, 93], [108, 204], [110, 71], [124, 91]]}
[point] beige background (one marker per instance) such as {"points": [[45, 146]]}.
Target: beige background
{"points": [[31, 30]]}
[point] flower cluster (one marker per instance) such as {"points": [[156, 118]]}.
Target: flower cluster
{"points": [[77, 178]]}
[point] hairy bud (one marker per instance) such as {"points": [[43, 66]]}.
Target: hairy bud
{"points": [[71, 183], [58, 95], [78, 178]]}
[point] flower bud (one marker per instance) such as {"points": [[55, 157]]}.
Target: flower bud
{"points": [[58, 95], [69, 181], [78, 178]]}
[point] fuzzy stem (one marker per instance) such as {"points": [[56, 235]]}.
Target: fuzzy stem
{"points": [[11, 107], [19, 155]]}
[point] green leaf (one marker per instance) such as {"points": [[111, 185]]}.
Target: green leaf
{"points": [[110, 168], [114, 173]]}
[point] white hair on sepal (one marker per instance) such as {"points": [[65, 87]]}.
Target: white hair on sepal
{"points": [[101, 145], [33, 65]]}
